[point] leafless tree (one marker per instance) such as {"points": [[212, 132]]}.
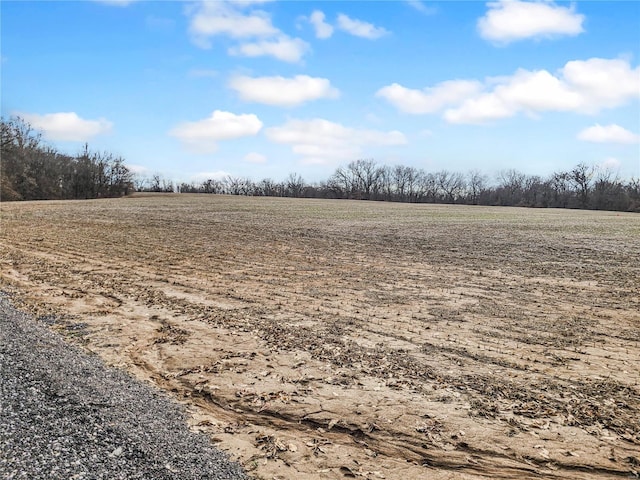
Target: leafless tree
{"points": [[428, 187], [511, 187], [212, 186], [450, 184], [532, 193], [270, 188], [233, 185], [401, 181], [365, 175], [560, 185], [385, 182], [342, 183], [294, 185], [581, 177], [33, 170], [609, 192], [476, 184]]}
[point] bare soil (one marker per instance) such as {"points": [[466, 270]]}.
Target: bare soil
{"points": [[336, 339]]}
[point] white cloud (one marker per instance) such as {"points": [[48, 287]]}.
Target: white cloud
{"points": [[323, 29], [429, 100], [610, 163], [479, 110], [510, 20], [283, 92], [227, 18], [360, 28], [585, 87], [254, 157], [536, 91], [603, 83], [421, 7], [581, 86], [67, 126], [608, 134], [320, 141], [203, 135], [525, 91], [138, 169], [283, 48], [239, 21], [116, 3], [246, 3]]}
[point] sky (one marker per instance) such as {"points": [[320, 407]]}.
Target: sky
{"points": [[194, 90]]}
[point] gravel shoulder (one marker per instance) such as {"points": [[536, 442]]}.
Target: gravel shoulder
{"points": [[65, 415]]}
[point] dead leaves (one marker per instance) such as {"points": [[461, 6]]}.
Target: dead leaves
{"points": [[261, 401], [271, 445], [318, 446], [171, 334]]}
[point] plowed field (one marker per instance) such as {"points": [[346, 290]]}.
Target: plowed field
{"points": [[331, 339]]}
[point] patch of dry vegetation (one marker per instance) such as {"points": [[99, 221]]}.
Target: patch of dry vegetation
{"points": [[340, 338]]}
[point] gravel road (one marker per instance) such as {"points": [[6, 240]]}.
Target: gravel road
{"points": [[65, 415]]}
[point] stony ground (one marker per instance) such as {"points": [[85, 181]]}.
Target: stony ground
{"points": [[329, 339], [64, 415]]}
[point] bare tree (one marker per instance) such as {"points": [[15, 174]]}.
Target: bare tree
{"points": [[140, 183], [476, 184], [294, 185], [386, 183], [511, 187], [532, 191], [233, 185], [608, 191], [212, 186], [365, 175], [451, 185], [156, 183], [560, 185], [342, 183], [633, 192], [17, 134], [33, 170], [581, 177], [401, 180]]}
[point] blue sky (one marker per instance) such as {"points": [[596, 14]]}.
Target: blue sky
{"points": [[194, 90]]}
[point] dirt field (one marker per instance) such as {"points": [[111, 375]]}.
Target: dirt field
{"points": [[332, 339]]}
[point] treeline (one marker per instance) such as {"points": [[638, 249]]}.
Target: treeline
{"points": [[33, 170], [583, 186]]}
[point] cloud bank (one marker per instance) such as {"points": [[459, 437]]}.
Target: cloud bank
{"points": [[581, 86]]}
